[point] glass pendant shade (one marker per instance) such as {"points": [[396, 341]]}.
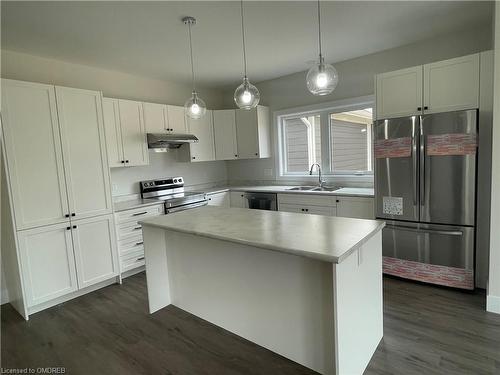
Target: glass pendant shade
{"points": [[246, 95], [322, 78], [194, 107]]}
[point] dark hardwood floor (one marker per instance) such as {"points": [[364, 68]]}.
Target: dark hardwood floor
{"points": [[427, 330]]}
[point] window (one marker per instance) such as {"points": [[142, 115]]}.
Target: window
{"points": [[350, 137], [338, 139], [302, 142]]}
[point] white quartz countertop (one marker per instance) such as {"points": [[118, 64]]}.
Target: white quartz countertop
{"points": [[285, 189], [326, 238]]}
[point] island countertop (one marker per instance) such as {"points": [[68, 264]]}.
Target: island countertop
{"points": [[326, 238]]}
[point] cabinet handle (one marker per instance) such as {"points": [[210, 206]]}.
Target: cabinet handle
{"points": [[123, 161], [419, 108], [426, 107], [139, 243], [74, 226], [137, 228], [140, 213], [302, 209], [141, 258], [126, 161], [68, 228], [337, 201], [209, 199], [67, 215], [235, 156], [194, 157], [307, 209], [73, 214], [256, 154]]}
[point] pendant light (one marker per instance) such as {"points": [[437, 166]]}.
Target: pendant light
{"points": [[322, 78], [246, 95], [194, 107]]}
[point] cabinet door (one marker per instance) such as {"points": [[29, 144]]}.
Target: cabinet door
{"points": [[219, 199], [247, 134], [48, 262], [96, 256], [176, 119], [113, 132], [225, 135], [84, 150], [202, 128], [237, 199], [452, 85], [154, 118], [34, 155], [135, 147], [307, 209], [356, 207], [399, 93]]}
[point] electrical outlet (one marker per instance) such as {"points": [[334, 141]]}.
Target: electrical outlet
{"points": [[268, 172], [114, 188]]}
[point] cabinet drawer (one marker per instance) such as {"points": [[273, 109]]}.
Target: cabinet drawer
{"points": [[133, 228], [305, 199], [130, 243], [308, 209], [136, 251], [138, 214]]}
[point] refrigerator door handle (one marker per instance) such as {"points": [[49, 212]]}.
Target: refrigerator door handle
{"points": [[414, 161], [433, 231], [422, 165]]}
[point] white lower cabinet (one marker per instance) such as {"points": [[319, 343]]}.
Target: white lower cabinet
{"points": [[219, 199], [237, 199], [129, 233], [356, 207], [95, 250], [59, 259], [48, 262], [308, 209]]}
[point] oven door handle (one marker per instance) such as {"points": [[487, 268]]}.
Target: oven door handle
{"points": [[185, 207]]}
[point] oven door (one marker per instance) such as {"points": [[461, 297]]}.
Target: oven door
{"points": [[171, 210]]}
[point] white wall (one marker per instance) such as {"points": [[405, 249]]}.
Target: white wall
{"points": [[25, 67], [493, 298], [125, 180], [356, 78]]}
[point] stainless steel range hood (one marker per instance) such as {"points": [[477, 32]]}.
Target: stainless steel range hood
{"points": [[163, 142]]}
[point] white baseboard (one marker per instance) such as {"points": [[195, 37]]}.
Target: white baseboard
{"points": [[4, 296], [493, 304]]}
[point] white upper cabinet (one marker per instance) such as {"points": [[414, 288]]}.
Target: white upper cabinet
{"points": [[113, 132], [84, 152], [225, 134], [48, 263], [176, 119], [125, 133], [443, 86], [155, 117], [452, 85], [202, 128], [253, 133], [96, 255], [34, 157], [399, 93], [135, 147]]}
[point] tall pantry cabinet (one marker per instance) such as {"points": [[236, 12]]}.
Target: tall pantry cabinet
{"points": [[58, 177]]}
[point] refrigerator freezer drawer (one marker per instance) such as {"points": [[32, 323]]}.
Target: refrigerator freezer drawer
{"points": [[438, 254]]}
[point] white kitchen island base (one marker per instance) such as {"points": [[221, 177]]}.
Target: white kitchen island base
{"points": [[324, 315]]}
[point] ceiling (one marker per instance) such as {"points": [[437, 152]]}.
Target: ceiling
{"points": [[149, 39]]}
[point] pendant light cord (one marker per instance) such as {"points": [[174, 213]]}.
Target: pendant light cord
{"points": [[191, 52], [243, 37], [319, 28]]}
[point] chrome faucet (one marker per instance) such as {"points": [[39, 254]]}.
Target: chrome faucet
{"points": [[320, 181]]}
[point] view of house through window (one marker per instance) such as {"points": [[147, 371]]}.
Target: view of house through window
{"points": [[302, 142], [347, 151], [350, 137]]}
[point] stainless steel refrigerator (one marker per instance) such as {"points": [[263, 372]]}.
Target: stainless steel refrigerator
{"points": [[425, 189]]}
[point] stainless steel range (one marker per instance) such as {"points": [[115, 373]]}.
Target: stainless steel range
{"points": [[171, 191]]}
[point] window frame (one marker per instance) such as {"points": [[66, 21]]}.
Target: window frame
{"points": [[324, 110]]}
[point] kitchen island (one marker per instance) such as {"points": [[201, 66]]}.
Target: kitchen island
{"points": [[307, 287]]}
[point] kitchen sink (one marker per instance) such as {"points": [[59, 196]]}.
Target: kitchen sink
{"points": [[303, 188], [325, 188]]}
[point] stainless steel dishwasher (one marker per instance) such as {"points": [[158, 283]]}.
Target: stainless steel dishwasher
{"points": [[262, 201]]}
